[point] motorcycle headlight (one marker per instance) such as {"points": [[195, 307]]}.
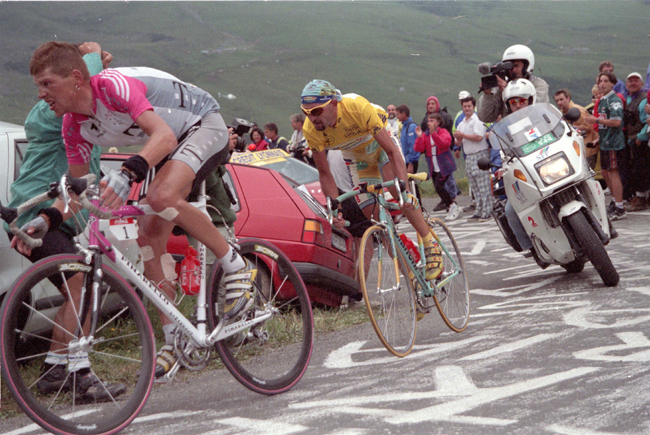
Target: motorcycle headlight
{"points": [[554, 168]]}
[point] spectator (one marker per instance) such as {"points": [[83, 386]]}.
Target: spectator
{"points": [[275, 141], [257, 137], [433, 106], [608, 67], [595, 96], [564, 102], [393, 126], [298, 146], [634, 119], [462, 96], [491, 104], [612, 141], [471, 134], [407, 139], [438, 140]]}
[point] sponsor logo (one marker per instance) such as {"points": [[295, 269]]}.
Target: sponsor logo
{"points": [[266, 251], [532, 221], [519, 195], [74, 267]]}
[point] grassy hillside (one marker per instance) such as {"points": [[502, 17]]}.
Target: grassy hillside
{"points": [[265, 52]]}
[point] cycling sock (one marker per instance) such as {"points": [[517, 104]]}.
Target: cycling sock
{"points": [[169, 333], [78, 361], [56, 358], [427, 240], [232, 262]]}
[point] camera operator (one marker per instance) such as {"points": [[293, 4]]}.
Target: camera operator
{"points": [[491, 104], [298, 147]]}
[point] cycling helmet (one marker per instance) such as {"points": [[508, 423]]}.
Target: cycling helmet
{"points": [[519, 88], [520, 52]]}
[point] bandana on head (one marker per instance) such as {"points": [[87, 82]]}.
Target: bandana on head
{"points": [[437, 104], [319, 91]]}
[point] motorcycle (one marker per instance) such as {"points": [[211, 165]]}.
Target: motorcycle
{"points": [[552, 189]]}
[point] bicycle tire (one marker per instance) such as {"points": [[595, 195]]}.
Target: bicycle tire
{"points": [[388, 293], [122, 351], [452, 300], [272, 356]]}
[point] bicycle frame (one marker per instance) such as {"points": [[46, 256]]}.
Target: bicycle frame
{"points": [[99, 245], [385, 221]]}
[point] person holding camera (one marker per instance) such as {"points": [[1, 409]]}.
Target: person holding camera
{"points": [[491, 104], [298, 147]]}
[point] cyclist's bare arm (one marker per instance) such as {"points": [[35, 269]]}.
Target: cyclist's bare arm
{"points": [[76, 171], [327, 182], [162, 141], [325, 175], [394, 155]]}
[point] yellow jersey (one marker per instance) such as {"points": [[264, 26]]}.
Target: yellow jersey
{"points": [[358, 121]]}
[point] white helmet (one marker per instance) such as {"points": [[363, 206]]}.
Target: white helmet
{"points": [[520, 88], [520, 52]]}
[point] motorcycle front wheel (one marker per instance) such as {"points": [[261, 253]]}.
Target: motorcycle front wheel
{"points": [[593, 248]]}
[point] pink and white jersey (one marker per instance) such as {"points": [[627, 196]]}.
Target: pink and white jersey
{"points": [[121, 95]]}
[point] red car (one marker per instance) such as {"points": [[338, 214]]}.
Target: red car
{"points": [[274, 207]]}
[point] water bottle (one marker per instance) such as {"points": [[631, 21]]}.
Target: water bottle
{"points": [[411, 247], [191, 273]]}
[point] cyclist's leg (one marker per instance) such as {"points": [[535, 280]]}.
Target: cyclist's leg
{"points": [[414, 215]]}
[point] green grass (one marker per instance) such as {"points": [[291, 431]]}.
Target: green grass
{"points": [[390, 52]]}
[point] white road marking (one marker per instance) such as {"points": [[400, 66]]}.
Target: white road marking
{"points": [[631, 340], [269, 427], [34, 427], [343, 356], [450, 381], [621, 318], [508, 291], [165, 415], [510, 347], [477, 249], [448, 411], [566, 430]]}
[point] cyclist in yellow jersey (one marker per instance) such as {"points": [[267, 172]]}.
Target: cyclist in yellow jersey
{"points": [[355, 126]]}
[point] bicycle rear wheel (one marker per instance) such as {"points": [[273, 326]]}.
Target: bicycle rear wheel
{"points": [[121, 352], [387, 292], [452, 299], [269, 357]]}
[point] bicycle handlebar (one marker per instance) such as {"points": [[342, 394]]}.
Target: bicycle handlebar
{"points": [[78, 186], [333, 203]]}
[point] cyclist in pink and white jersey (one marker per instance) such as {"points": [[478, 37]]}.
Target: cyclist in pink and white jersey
{"points": [[184, 138]]}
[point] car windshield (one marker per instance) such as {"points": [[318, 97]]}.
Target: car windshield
{"points": [[298, 171], [527, 129]]}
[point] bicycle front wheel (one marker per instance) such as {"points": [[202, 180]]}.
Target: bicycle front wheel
{"points": [[452, 297], [120, 354], [269, 357], [387, 292]]}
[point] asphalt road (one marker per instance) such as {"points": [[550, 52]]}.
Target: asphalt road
{"points": [[545, 353]]}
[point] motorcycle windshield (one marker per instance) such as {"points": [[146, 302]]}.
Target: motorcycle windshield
{"points": [[527, 129]]}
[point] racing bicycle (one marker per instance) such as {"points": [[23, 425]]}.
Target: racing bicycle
{"points": [[267, 347], [393, 282]]}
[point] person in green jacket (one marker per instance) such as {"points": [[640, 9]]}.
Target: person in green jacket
{"points": [[45, 161]]}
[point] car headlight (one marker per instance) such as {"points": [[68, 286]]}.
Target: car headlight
{"points": [[554, 168]]}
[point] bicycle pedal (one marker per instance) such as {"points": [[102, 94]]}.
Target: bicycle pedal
{"points": [[168, 377]]}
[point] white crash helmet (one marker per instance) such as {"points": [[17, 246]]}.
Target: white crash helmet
{"points": [[520, 52], [520, 88]]}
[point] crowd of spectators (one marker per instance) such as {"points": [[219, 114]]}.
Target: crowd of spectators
{"points": [[614, 126]]}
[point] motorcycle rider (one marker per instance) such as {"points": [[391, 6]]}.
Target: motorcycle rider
{"points": [[492, 104], [520, 93]]}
